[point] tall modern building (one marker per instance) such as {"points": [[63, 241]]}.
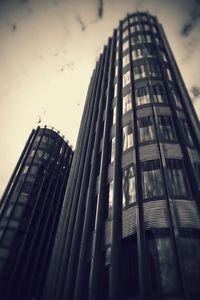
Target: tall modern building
{"points": [[30, 210], [130, 226]]}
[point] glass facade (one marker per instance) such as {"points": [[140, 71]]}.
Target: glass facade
{"points": [[147, 190]]}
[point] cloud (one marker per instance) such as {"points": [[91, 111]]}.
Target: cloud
{"points": [[100, 8], [80, 21], [194, 21], [24, 1], [195, 90]]}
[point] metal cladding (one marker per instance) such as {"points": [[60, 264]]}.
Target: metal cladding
{"points": [[30, 210], [130, 227]]}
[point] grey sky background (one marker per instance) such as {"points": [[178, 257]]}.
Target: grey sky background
{"points": [[49, 48]]}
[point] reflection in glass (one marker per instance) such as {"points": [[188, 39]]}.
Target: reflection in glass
{"points": [[128, 186], [110, 200], [146, 129], [112, 149], [187, 132], [158, 93], [125, 60], [167, 129], [139, 72], [126, 78], [177, 178], [127, 103], [114, 115], [162, 262], [190, 248], [152, 184], [142, 96], [176, 98], [127, 136]]}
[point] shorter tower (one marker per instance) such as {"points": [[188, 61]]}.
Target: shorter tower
{"points": [[30, 209]]}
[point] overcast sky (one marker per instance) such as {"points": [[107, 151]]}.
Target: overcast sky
{"points": [[49, 48]]}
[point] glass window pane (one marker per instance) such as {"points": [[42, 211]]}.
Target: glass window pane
{"points": [[159, 94], [187, 133], [152, 180], [146, 129], [110, 200], [169, 76], [114, 115], [125, 45], [167, 129], [127, 136], [176, 98], [115, 90], [125, 60], [25, 169], [163, 267], [125, 34], [126, 78], [139, 72], [127, 103], [128, 186], [177, 178], [190, 248], [142, 96], [112, 149]]}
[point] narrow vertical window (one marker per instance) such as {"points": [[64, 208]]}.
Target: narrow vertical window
{"points": [[126, 78], [187, 133], [146, 129], [176, 98], [149, 51], [167, 128], [125, 45], [154, 29], [142, 96], [146, 27], [190, 248], [133, 28], [25, 169], [125, 60], [127, 136], [44, 139], [115, 90], [162, 263], [178, 184], [117, 55], [144, 18], [125, 33], [137, 53], [159, 94], [148, 38], [164, 56], [128, 186], [152, 184], [127, 105], [136, 39], [110, 200], [114, 115], [169, 76], [158, 42], [154, 70], [116, 71], [139, 72], [112, 149], [125, 23], [32, 153]]}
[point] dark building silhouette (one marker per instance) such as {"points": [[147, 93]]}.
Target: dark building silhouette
{"points": [[30, 210], [130, 226]]}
